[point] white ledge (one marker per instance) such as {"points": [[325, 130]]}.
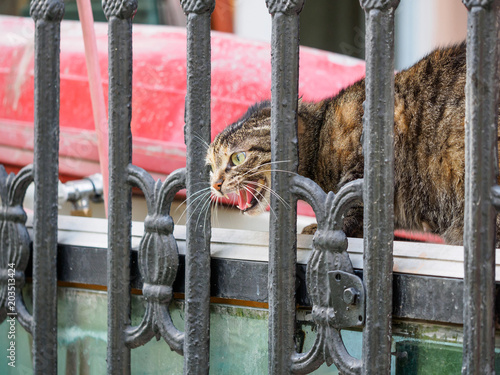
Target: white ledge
{"points": [[409, 257]]}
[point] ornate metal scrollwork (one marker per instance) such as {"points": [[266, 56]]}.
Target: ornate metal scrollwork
{"points": [[337, 294], [286, 7], [122, 9], [198, 6], [48, 10], [14, 244], [477, 3], [378, 4], [158, 260]]}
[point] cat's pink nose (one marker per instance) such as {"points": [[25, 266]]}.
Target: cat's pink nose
{"points": [[218, 185]]}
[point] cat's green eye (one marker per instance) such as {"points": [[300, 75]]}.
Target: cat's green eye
{"points": [[238, 157]]}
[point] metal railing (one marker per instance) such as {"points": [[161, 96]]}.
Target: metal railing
{"points": [[329, 274], [481, 172]]}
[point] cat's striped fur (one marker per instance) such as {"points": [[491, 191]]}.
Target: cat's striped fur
{"points": [[428, 141]]}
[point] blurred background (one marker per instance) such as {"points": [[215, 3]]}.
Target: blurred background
{"points": [[336, 26]]}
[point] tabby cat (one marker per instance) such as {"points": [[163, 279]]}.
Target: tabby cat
{"points": [[429, 116]]}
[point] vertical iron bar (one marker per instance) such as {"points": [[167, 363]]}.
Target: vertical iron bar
{"points": [[119, 14], [47, 15], [481, 171], [283, 238], [378, 194], [197, 130]]}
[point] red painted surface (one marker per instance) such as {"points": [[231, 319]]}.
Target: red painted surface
{"points": [[417, 236]]}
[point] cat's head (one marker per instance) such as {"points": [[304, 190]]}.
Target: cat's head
{"points": [[240, 160]]}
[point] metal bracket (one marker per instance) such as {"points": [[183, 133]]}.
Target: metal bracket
{"points": [[347, 300]]}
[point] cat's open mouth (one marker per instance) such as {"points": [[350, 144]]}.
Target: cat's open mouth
{"points": [[248, 197]]}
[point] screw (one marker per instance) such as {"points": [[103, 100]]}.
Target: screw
{"points": [[351, 296]]}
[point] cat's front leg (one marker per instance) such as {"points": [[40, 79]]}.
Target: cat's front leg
{"points": [[310, 229], [353, 223]]}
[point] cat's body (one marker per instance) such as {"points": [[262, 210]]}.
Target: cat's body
{"points": [[428, 144]]}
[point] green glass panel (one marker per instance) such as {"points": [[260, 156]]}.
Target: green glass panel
{"points": [[238, 341], [423, 357]]}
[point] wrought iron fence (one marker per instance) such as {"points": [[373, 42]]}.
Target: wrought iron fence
{"points": [[329, 274]]}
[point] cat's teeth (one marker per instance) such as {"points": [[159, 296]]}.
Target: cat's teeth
{"points": [[250, 194], [242, 199], [245, 196]]}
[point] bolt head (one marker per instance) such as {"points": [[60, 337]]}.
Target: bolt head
{"points": [[351, 296]]}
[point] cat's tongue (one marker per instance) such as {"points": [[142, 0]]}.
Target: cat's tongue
{"points": [[245, 196]]}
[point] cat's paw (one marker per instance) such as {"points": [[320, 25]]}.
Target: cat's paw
{"points": [[310, 229]]}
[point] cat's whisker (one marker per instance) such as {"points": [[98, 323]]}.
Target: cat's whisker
{"points": [[184, 212], [192, 196], [203, 142], [271, 191], [203, 204], [200, 191], [213, 208], [199, 183], [262, 165], [269, 163], [200, 198], [217, 206], [213, 212], [271, 170], [263, 198], [206, 209]]}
